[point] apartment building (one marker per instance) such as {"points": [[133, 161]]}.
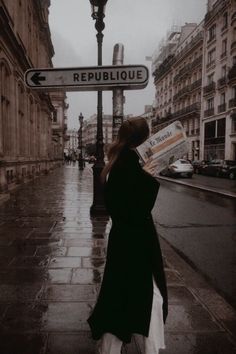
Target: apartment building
{"points": [[177, 72], [90, 131], [218, 114]]}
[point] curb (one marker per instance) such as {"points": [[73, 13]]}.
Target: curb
{"points": [[201, 187]]}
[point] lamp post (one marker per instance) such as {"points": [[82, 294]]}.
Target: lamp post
{"points": [[81, 162], [98, 207]]}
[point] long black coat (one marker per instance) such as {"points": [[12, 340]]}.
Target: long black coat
{"points": [[133, 255]]}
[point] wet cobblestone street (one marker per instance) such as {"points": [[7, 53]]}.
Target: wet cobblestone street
{"points": [[52, 256]]}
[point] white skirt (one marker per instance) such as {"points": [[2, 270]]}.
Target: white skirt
{"points": [[110, 344]]}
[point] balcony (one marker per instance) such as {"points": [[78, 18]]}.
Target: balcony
{"points": [[209, 88], [196, 84], [190, 45], [223, 55], [211, 64], [232, 103], [192, 109], [184, 91], [222, 82], [233, 18], [187, 68], [232, 73], [209, 112], [233, 45], [222, 108]]}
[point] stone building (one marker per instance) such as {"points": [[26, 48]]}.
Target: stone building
{"points": [[218, 115], [72, 142], [90, 131], [26, 132], [177, 71]]}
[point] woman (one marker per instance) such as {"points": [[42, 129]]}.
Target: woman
{"points": [[133, 294]]}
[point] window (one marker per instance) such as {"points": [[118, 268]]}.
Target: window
{"points": [[224, 47], [210, 103], [210, 79], [212, 32], [211, 56], [223, 71], [222, 98], [234, 60], [234, 92], [221, 128], [210, 130], [225, 20]]}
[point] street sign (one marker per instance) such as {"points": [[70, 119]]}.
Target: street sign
{"points": [[88, 78]]}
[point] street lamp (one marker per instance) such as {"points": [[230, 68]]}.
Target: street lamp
{"points": [[98, 207], [81, 162]]}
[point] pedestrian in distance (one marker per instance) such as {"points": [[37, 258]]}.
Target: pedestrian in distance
{"points": [[133, 293]]}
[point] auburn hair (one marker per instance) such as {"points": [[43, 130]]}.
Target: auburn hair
{"points": [[132, 133]]}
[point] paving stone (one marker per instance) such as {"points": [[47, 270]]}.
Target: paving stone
{"points": [[80, 343], [23, 344], [180, 295], [60, 276], [70, 293], [19, 293], [86, 251], [24, 275], [65, 262], [30, 262], [25, 317], [190, 317], [88, 262], [86, 276], [54, 251], [66, 316]]}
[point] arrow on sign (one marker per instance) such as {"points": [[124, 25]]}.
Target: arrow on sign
{"points": [[36, 78]]}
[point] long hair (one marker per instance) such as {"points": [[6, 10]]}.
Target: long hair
{"points": [[132, 133]]}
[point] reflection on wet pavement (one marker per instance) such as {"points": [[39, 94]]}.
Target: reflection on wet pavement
{"points": [[52, 257]]}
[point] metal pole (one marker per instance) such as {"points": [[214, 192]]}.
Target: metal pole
{"points": [[118, 98], [98, 206]]}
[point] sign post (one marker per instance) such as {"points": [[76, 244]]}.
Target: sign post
{"points": [[129, 77]]}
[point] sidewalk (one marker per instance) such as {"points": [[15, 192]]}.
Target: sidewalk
{"points": [[52, 260]]}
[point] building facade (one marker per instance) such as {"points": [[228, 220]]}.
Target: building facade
{"points": [[218, 114], [90, 131], [177, 71], [26, 130], [195, 78]]}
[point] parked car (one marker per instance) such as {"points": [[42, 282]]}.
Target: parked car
{"points": [[217, 168], [197, 165], [229, 172], [180, 167]]}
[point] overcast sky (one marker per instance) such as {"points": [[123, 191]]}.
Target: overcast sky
{"points": [[139, 25]]}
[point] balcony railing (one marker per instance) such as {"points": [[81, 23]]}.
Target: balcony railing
{"points": [[233, 45], [210, 64], [222, 81], [185, 90], [209, 112], [193, 108], [223, 55], [209, 88], [232, 73], [196, 84], [232, 103], [187, 68], [196, 39], [222, 108]]}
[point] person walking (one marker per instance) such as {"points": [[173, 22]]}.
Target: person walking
{"points": [[133, 294]]}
